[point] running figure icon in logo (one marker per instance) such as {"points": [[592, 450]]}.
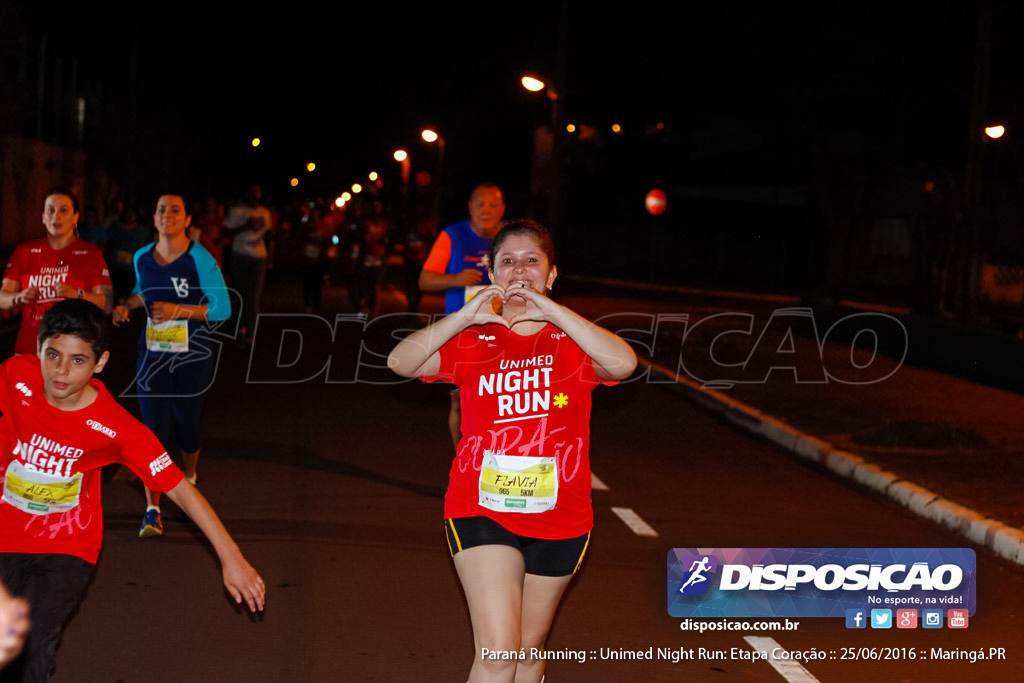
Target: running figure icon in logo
{"points": [[697, 569]]}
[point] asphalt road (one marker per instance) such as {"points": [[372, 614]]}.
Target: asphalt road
{"points": [[332, 487]]}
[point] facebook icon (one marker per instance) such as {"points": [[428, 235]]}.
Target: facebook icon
{"points": [[856, 618]]}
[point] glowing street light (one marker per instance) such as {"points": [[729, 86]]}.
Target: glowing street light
{"points": [[256, 142], [534, 84], [310, 167], [431, 135], [356, 188], [401, 155], [995, 132]]}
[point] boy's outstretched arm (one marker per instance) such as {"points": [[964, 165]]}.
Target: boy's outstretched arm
{"points": [[241, 580]]}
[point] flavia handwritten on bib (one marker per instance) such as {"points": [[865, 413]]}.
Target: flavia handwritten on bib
{"points": [[510, 483]]}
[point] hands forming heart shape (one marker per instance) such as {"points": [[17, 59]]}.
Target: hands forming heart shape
{"points": [[527, 304]]}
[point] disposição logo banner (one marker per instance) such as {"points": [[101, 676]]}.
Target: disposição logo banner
{"points": [[817, 582]]}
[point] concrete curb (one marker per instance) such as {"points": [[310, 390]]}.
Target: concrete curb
{"points": [[1004, 540]]}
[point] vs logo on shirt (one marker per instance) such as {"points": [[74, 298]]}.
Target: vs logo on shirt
{"points": [[180, 286]]}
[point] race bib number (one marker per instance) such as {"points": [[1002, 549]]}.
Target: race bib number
{"points": [[511, 483], [170, 336], [38, 493]]}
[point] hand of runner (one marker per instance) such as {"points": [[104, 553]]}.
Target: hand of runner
{"points": [[537, 307], [122, 314], [28, 294], [162, 311], [245, 584], [14, 625], [484, 307]]}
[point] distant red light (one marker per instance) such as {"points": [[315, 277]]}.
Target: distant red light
{"points": [[655, 201]]}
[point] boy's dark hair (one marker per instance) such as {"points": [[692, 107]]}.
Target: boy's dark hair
{"points": [[80, 318]]}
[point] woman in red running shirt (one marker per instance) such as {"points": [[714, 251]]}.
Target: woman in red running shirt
{"points": [[59, 266], [518, 512]]}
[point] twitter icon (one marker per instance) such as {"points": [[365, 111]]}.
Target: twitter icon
{"points": [[881, 618]]}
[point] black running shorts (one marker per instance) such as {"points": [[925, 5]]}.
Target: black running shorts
{"points": [[543, 557]]}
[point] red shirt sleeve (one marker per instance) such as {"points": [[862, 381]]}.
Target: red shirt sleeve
{"points": [[14, 265], [97, 272]]}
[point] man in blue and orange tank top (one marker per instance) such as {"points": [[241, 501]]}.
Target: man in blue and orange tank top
{"points": [[456, 265]]}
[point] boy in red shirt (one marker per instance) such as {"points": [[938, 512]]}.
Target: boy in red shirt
{"points": [[60, 426]]}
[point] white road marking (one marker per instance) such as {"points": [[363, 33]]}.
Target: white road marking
{"points": [[597, 484], [633, 521], [790, 669]]}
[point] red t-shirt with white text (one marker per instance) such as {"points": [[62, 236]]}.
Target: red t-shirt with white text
{"points": [[63, 443], [37, 264], [522, 396]]}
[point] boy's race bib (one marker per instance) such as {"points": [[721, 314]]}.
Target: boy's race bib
{"points": [[38, 493]]}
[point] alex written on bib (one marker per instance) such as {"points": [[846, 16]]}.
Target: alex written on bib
{"points": [[511, 483], [170, 336], [38, 493]]}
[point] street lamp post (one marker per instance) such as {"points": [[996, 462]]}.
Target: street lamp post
{"points": [[546, 181], [546, 167], [431, 135], [966, 295], [402, 157]]}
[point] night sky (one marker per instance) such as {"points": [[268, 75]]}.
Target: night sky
{"points": [[344, 86]]}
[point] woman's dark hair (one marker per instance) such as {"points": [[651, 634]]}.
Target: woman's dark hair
{"points": [[523, 226], [67, 193], [80, 318]]}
